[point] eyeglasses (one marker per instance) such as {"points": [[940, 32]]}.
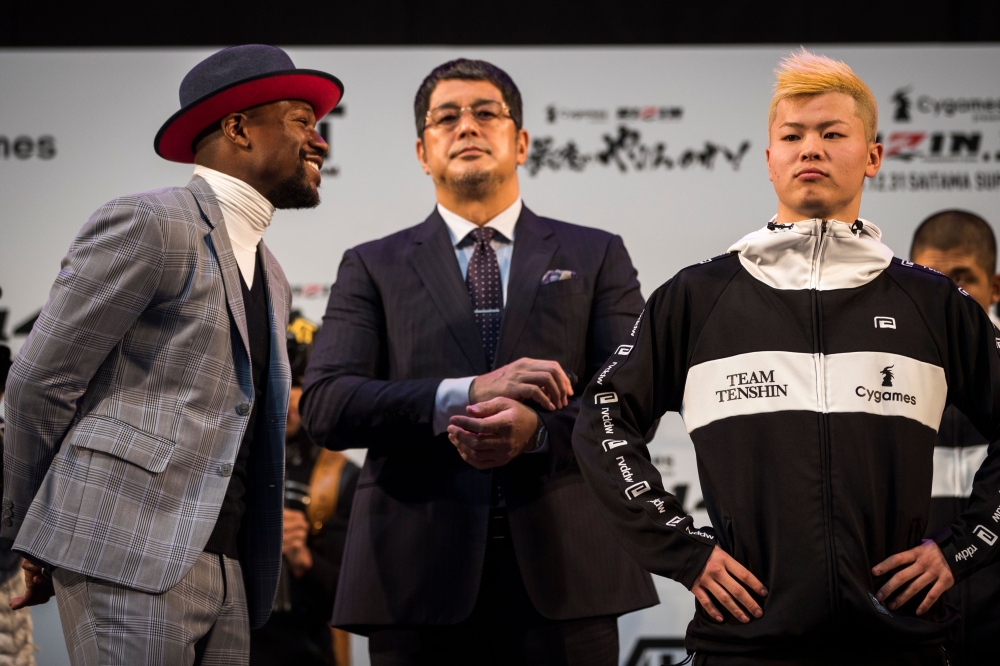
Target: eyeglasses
{"points": [[447, 116]]}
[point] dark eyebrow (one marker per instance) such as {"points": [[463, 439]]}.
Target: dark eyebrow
{"points": [[456, 105]]}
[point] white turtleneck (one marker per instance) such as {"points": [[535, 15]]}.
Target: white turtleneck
{"points": [[247, 215]]}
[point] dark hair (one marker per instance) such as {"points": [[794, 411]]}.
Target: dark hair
{"points": [[467, 70], [953, 229]]}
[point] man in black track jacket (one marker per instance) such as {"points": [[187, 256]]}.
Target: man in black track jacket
{"points": [[961, 245], [811, 369]]}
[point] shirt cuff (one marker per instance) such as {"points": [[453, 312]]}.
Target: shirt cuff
{"points": [[451, 399]]}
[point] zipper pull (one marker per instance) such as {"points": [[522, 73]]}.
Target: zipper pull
{"points": [[857, 227]]}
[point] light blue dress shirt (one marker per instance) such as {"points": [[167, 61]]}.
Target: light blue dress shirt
{"points": [[453, 394]]}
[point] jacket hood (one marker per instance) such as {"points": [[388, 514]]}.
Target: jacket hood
{"points": [[814, 254]]}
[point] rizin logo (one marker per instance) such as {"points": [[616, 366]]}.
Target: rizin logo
{"points": [[605, 398], [609, 444], [878, 395], [637, 489], [885, 322], [624, 350]]}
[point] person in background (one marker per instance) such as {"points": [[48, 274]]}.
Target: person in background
{"points": [[962, 246], [319, 491], [16, 645], [474, 539]]}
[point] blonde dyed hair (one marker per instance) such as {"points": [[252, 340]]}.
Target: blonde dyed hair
{"points": [[805, 74]]}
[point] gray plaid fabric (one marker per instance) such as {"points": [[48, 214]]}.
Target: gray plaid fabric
{"points": [[128, 401], [201, 620]]}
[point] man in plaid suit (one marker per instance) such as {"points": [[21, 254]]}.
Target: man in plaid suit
{"points": [[146, 412]]}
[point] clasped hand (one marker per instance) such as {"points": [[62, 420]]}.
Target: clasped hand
{"points": [[499, 427]]}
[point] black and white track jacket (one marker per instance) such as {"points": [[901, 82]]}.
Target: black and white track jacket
{"points": [[811, 369]]}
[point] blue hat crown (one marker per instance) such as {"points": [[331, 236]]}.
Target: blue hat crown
{"points": [[229, 66]]}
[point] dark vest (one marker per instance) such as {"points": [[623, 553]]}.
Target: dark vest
{"points": [[225, 536]]}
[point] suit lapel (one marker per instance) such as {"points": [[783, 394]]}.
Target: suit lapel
{"points": [[208, 206], [433, 258], [277, 391], [534, 247]]}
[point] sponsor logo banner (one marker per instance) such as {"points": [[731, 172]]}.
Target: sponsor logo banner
{"points": [[764, 382]]}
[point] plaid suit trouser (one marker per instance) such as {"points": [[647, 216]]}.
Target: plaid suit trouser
{"points": [[202, 620]]}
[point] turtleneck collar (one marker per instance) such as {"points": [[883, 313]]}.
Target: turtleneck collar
{"points": [[246, 212], [814, 254]]}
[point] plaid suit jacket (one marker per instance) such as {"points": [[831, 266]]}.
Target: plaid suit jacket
{"points": [[129, 400]]}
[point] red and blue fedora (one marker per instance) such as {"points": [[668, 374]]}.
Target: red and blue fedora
{"points": [[235, 79]]}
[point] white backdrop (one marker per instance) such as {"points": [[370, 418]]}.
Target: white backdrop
{"points": [[664, 146]]}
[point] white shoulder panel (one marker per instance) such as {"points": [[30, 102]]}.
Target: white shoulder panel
{"points": [[955, 468]]}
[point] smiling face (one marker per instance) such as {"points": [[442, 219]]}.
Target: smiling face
{"points": [[287, 153], [470, 160], [818, 158]]}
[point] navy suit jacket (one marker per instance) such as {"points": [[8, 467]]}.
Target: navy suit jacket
{"points": [[400, 320]]}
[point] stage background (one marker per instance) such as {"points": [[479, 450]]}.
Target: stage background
{"points": [[664, 146]]}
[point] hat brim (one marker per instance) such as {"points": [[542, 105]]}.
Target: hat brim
{"points": [[174, 140]]}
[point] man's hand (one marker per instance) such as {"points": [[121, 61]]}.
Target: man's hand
{"points": [[721, 579], [927, 566], [497, 431], [293, 542], [39, 587], [545, 382]]}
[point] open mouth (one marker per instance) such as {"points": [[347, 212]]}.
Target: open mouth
{"points": [[314, 161]]}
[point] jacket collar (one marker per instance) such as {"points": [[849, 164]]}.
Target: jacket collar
{"points": [[814, 254]]}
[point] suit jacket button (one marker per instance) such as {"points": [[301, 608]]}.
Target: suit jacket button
{"points": [[226, 469], [243, 408]]}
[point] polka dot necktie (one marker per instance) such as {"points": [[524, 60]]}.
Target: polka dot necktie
{"points": [[486, 290]]}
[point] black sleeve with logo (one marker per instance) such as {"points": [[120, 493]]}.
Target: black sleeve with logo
{"points": [[641, 381], [970, 354], [974, 387]]}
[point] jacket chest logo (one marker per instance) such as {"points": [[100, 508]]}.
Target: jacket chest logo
{"points": [[879, 394], [752, 385]]}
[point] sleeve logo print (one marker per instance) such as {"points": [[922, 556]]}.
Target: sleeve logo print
{"points": [[624, 350], [885, 322], [605, 398], [989, 537], [609, 444], [637, 489]]}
